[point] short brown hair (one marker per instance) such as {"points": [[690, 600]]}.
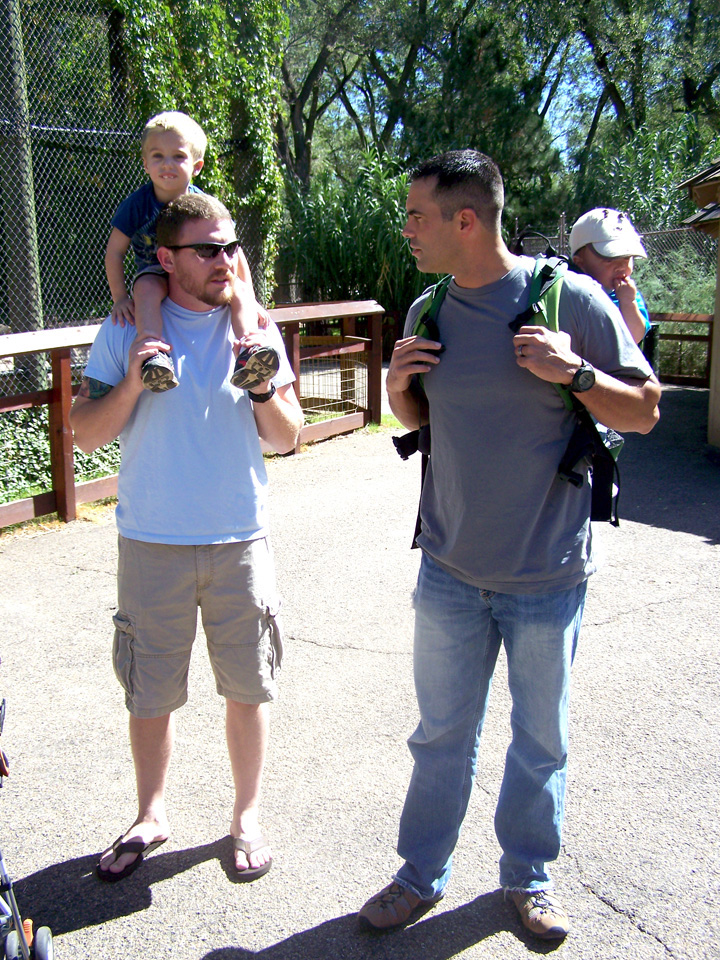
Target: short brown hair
{"points": [[181, 210], [466, 178], [181, 124]]}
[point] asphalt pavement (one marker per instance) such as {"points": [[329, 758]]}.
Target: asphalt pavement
{"points": [[638, 872]]}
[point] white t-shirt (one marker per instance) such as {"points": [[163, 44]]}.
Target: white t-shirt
{"points": [[192, 470]]}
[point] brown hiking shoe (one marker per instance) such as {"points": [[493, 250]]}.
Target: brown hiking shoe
{"points": [[394, 906], [158, 373], [541, 914], [254, 365]]}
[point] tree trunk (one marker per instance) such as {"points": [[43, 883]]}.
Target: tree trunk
{"points": [[22, 266]]}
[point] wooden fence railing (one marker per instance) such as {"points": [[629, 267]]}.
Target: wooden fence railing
{"points": [[295, 322], [65, 494], [695, 321]]}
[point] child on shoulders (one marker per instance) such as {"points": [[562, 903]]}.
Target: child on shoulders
{"points": [[173, 151]]}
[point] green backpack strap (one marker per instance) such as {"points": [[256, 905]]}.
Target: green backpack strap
{"points": [[586, 443], [425, 326], [544, 307], [426, 320]]}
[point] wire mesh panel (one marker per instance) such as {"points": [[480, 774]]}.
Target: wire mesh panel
{"points": [[683, 241], [332, 386], [678, 276], [69, 154], [65, 164], [664, 247]]}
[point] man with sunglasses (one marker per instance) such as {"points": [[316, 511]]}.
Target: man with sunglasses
{"points": [[205, 542]]}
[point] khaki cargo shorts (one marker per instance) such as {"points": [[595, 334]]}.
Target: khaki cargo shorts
{"points": [[160, 587]]}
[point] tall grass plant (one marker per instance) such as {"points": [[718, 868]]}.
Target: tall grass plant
{"points": [[343, 240]]}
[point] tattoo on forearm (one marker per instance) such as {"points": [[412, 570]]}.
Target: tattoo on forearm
{"points": [[93, 389]]}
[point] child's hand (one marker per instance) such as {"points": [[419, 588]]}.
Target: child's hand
{"points": [[124, 312], [263, 317], [625, 290]]}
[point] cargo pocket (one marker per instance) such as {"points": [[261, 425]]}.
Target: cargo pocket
{"points": [[275, 647], [123, 651]]}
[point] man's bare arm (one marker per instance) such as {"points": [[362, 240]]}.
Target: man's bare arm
{"points": [[280, 419], [100, 412], [627, 404], [410, 356], [98, 418]]}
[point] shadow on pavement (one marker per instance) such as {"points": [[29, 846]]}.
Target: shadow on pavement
{"points": [[437, 937], [669, 478], [68, 896]]}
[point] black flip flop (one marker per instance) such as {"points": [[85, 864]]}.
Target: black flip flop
{"points": [[119, 848]]}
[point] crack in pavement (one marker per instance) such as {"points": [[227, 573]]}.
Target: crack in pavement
{"points": [[630, 611], [352, 647], [616, 908], [623, 912]]}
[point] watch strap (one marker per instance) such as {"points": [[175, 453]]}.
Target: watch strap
{"points": [[262, 397], [584, 370]]}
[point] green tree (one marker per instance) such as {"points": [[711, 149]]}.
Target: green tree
{"points": [[490, 95], [636, 75], [217, 60], [328, 43], [640, 175], [344, 239], [414, 79]]}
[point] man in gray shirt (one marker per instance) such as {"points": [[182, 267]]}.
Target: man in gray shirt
{"points": [[506, 542]]}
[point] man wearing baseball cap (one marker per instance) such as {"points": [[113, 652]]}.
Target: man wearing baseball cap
{"points": [[603, 244]]}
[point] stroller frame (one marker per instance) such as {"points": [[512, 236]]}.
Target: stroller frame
{"points": [[13, 937]]}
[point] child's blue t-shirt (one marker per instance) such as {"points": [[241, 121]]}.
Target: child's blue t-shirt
{"points": [[136, 217], [639, 302]]}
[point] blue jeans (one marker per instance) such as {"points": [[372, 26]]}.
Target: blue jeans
{"points": [[458, 632]]}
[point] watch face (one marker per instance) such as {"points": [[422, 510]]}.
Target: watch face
{"points": [[584, 379]]}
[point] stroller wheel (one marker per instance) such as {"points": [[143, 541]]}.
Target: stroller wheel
{"points": [[43, 944], [12, 946]]}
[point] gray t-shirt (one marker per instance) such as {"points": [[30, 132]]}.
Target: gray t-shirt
{"points": [[495, 513]]}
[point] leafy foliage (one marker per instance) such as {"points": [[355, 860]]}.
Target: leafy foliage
{"points": [[531, 82], [344, 240], [217, 61], [25, 454], [489, 98], [640, 175]]}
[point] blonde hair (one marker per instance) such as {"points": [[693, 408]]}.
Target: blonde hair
{"points": [[181, 124]]}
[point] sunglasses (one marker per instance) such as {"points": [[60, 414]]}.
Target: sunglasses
{"points": [[208, 251]]}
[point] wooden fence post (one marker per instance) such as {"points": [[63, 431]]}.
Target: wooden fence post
{"points": [[375, 369], [62, 464]]}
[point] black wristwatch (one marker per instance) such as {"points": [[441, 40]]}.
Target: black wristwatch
{"points": [[262, 397], [584, 378]]}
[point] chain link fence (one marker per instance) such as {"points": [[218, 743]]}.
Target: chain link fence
{"points": [[69, 153], [677, 277], [664, 248]]}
